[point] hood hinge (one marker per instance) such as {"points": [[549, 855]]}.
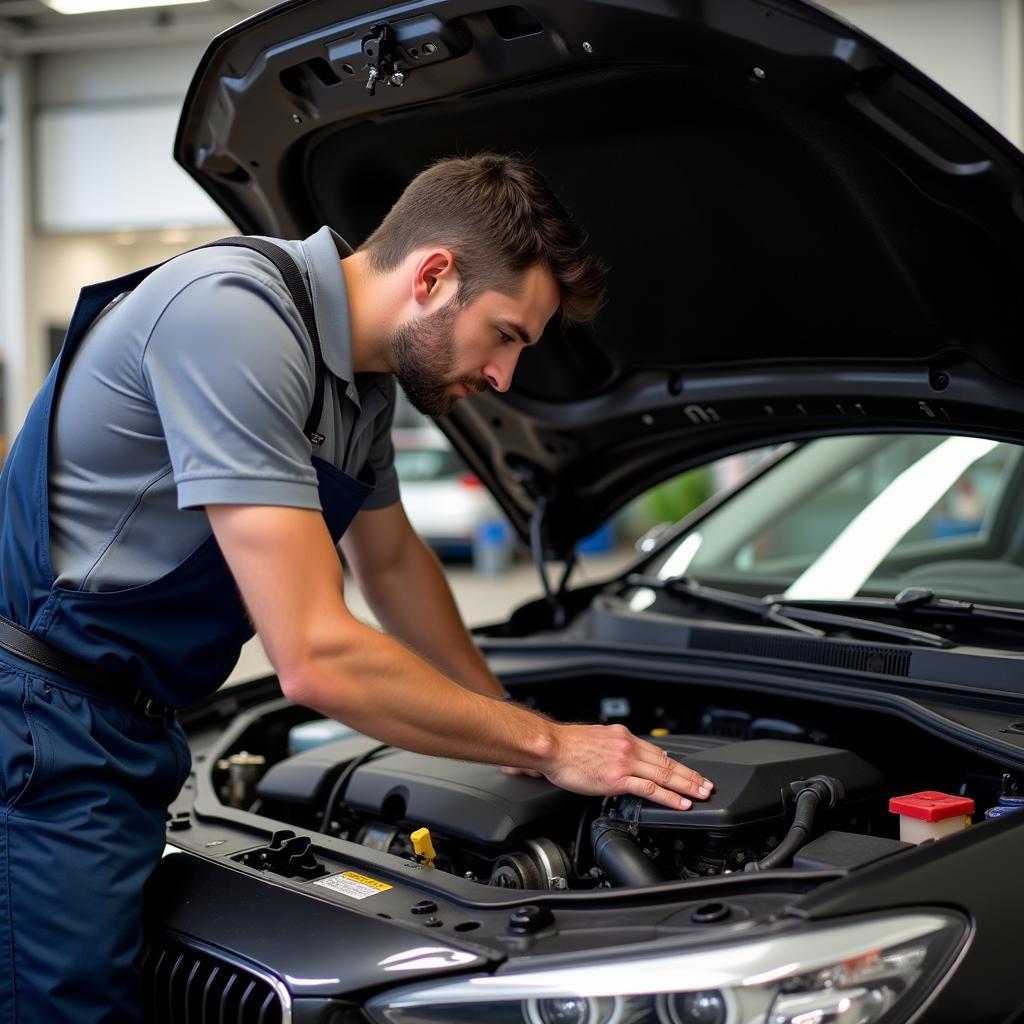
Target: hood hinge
{"points": [[381, 53]]}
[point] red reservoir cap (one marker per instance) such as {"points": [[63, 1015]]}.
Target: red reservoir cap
{"points": [[930, 805]]}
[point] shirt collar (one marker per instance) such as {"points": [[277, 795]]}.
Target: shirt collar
{"points": [[324, 251]]}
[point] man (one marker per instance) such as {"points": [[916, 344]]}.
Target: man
{"points": [[206, 437]]}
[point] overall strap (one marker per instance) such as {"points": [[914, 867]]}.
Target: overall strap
{"points": [[297, 288]]}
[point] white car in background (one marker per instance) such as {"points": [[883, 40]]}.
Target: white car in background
{"points": [[446, 503]]}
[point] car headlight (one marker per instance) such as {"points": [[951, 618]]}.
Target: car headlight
{"points": [[857, 972]]}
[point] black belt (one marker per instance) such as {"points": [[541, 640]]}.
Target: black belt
{"points": [[20, 641]]}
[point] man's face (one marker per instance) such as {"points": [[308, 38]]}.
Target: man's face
{"points": [[449, 353]]}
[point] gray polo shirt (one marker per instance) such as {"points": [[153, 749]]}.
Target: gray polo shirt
{"points": [[193, 389]]}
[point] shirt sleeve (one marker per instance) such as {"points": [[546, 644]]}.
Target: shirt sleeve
{"points": [[229, 370], [381, 457]]}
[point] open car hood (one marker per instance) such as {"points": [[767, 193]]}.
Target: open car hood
{"points": [[805, 235]]}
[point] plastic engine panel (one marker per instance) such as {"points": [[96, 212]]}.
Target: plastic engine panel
{"points": [[752, 780], [482, 804]]}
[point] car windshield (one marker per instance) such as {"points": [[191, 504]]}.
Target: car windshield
{"points": [[867, 516]]}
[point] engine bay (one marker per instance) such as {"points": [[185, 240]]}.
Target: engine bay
{"points": [[519, 832], [788, 795]]}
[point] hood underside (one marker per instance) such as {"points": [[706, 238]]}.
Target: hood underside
{"points": [[804, 234]]}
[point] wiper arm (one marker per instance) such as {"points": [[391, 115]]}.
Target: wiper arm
{"points": [[789, 614], [923, 599], [686, 587], [904, 633], [914, 601]]}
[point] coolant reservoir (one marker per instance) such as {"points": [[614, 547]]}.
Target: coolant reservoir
{"points": [[931, 815]]}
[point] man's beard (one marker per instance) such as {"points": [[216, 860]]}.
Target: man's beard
{"points": [[422, 354]]}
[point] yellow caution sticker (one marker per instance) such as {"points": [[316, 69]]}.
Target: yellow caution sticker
{"points": [[353, 884]]}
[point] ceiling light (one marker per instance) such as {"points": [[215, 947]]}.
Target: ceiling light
{"points": [[92, 6]]}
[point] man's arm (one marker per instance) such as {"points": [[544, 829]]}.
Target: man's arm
{"points": [[290, 577], [403, 583]]}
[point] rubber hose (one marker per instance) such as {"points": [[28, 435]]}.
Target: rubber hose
{"points": [[619, 857], [343, 780], [806, 807]]}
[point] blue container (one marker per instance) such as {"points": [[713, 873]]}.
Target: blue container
{"points": [[599, 542], [1006, 805], [492, 547], [954, 527]]}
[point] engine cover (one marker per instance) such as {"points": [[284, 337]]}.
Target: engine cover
{"points": [[472, 801], [751, 781], [477, 802]]}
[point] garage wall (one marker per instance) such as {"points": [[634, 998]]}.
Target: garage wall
{"points": [[103, 133], [112, 165], [115, 76]]}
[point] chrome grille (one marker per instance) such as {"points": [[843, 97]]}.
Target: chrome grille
{"points": [[188, 983]]}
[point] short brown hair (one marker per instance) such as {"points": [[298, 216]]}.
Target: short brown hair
{"points": [[498, 216]]}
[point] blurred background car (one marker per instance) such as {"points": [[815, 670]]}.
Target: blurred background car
{"points": [[446, 503]]}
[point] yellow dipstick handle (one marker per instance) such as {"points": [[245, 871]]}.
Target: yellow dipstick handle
{"points": [[423, 847], [659, 732]]}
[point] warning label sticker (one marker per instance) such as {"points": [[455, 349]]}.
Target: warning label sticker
{"points": [[351, 883]]}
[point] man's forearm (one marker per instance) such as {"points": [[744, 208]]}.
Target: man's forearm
{"points": [[377, 686], [412, 601]]}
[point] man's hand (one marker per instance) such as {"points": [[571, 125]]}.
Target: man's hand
{"points": [[600, 760]]}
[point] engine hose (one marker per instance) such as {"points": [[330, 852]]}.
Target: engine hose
{"points": [[343, 780], [617, 854], [806, 807]]}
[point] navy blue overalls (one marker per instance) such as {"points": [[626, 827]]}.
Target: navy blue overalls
{"points": [[85, 780]]}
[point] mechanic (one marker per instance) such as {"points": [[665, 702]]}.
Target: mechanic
{"points": [[227, 382]]}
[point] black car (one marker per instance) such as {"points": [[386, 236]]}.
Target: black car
{"points": [[813, 249]]}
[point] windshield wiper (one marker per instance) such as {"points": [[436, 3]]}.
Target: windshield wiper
{"points": [[780, 612], [686, 587], [914, 601]]}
